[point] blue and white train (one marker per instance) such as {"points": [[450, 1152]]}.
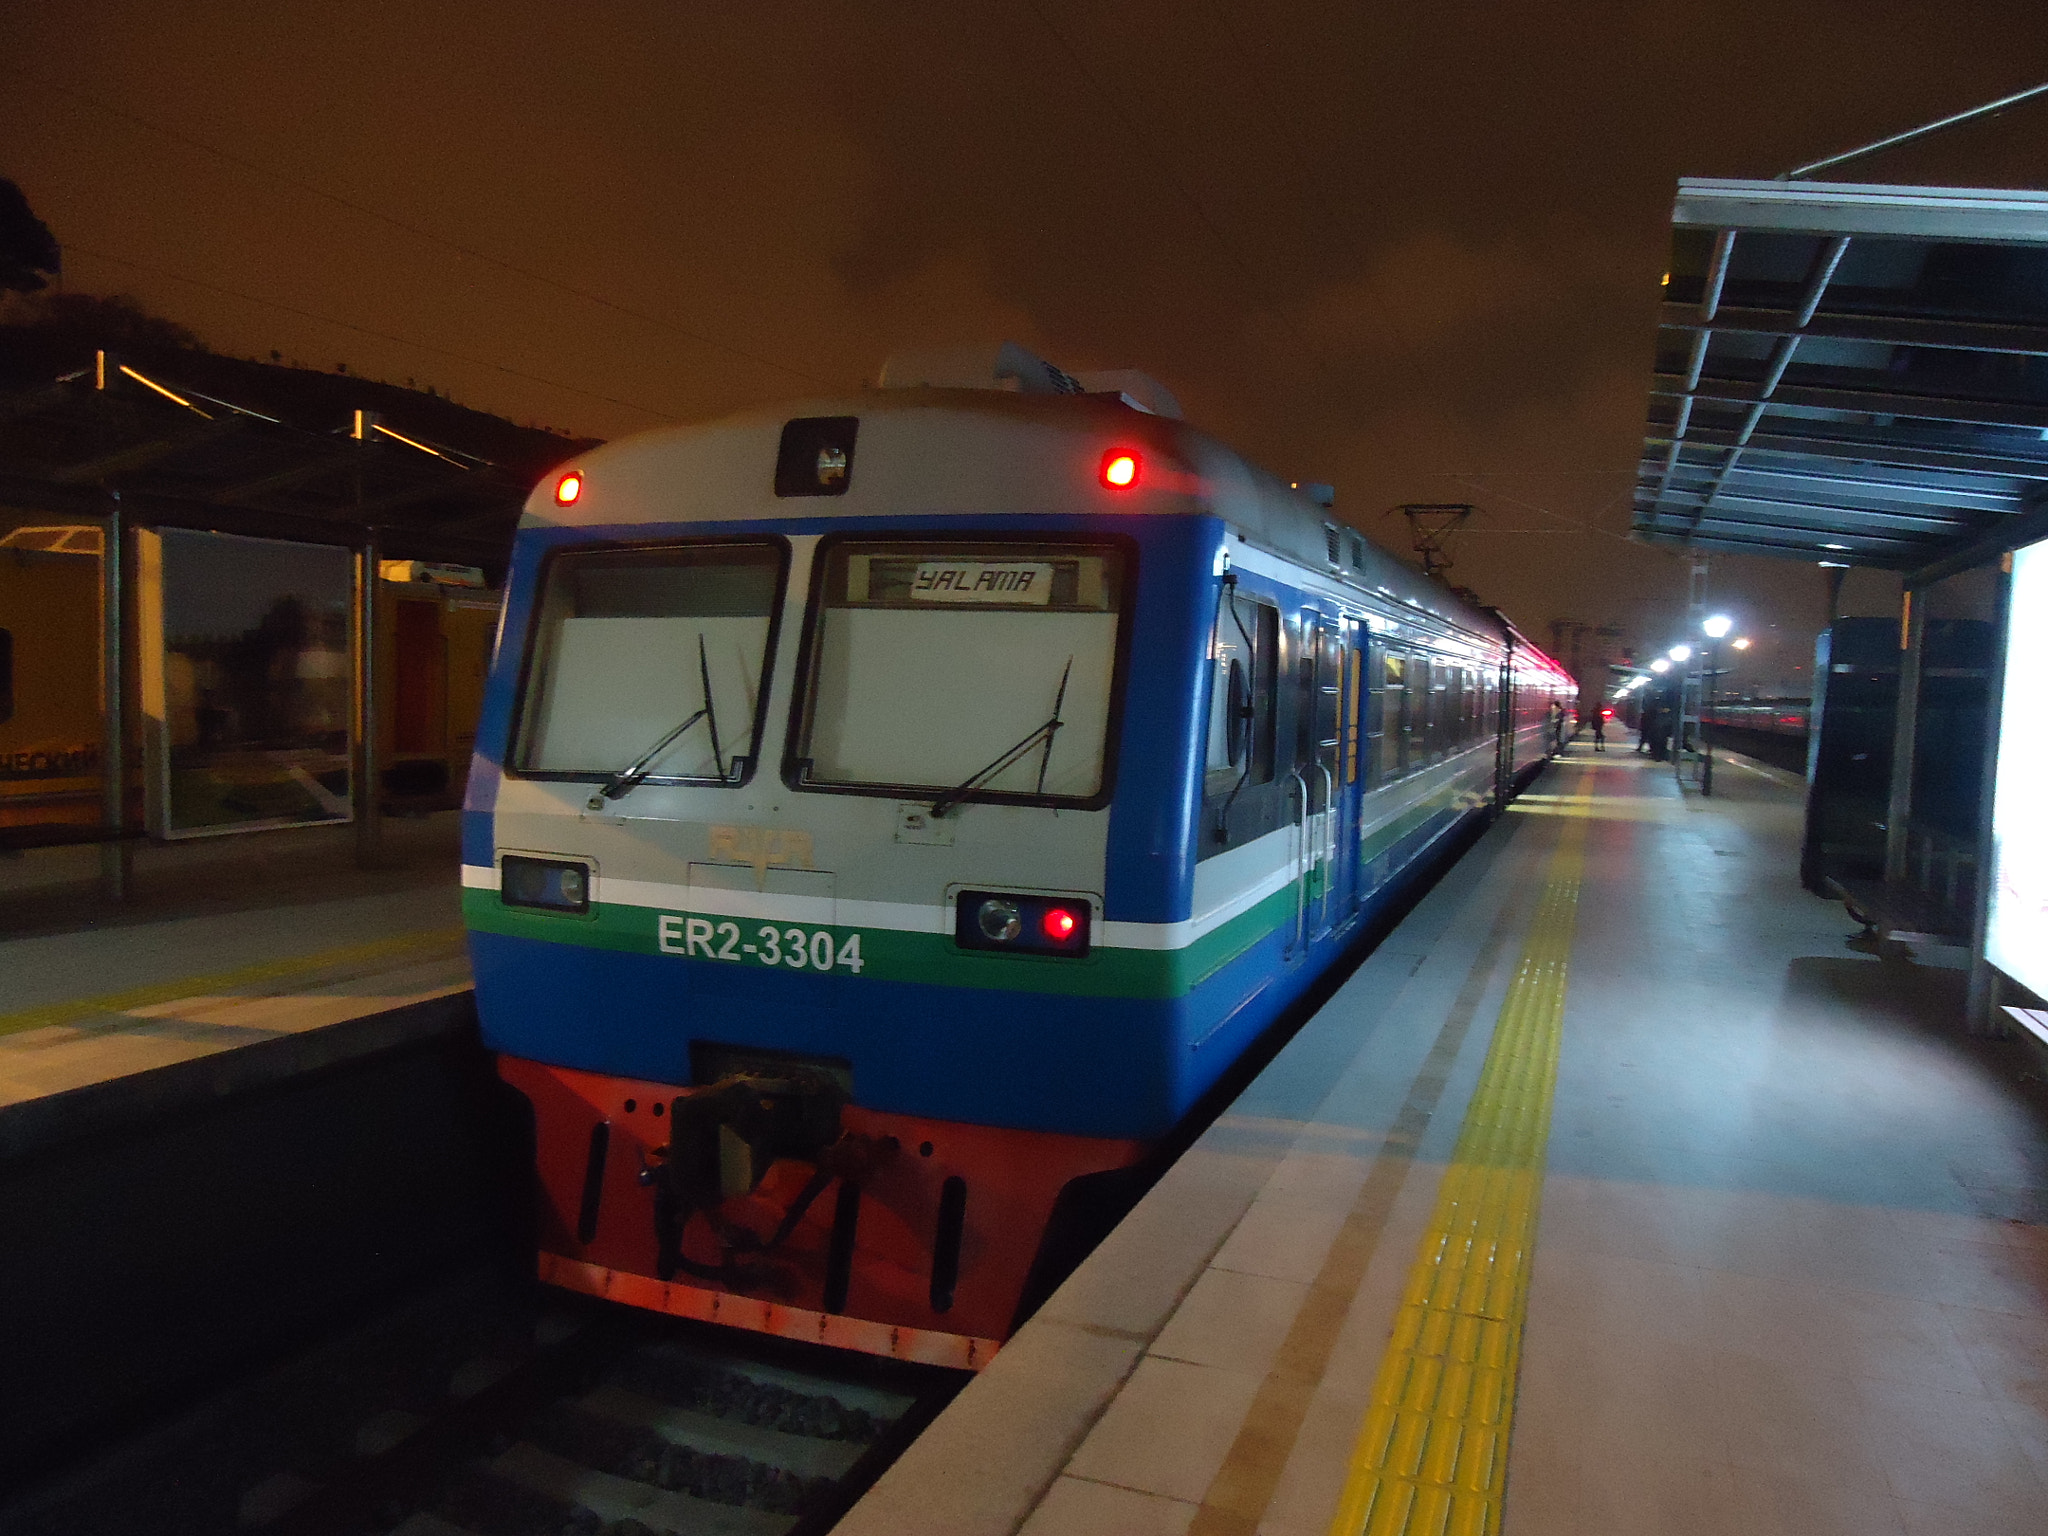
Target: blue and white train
{"points": [[892, 814]]}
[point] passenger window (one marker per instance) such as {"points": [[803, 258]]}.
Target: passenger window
{"points": [[1394, 724], [1244, 655]]}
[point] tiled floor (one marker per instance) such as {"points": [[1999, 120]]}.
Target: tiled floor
{"points": [[1791, 1272]]}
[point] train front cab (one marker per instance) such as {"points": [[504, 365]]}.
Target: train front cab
{"points": [[939, 1119], [786, 904]]}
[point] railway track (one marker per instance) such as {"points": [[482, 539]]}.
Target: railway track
{"points": [[490, 1409]]}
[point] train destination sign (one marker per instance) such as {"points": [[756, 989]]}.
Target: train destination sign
{"points": [[983, 581]]}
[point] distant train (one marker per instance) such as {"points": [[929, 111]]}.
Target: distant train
{"points": [[435, 643], [892, 814], [1770, 717]]}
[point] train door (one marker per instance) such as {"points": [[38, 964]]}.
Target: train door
{"points": [[1318, 765], [1355, 767]]}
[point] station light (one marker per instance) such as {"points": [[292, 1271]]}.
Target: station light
{"points": [[1718, 626], [1660, 665], [1120, 468], [568, 488], [1740, 642], [1680, 653]]}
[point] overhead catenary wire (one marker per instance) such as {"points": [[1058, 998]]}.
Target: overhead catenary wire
{"points": [[418, 231]]}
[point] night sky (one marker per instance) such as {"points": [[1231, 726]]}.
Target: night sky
{"points": [[1410, 250]]}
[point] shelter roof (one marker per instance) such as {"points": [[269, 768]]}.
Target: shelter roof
{"points": [[1850, 374], [196, 440]]}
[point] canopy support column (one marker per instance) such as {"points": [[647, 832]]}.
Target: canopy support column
{"points": [[1905, 730]]}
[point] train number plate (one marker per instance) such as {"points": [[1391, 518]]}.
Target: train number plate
{"points": [[791, 947]]}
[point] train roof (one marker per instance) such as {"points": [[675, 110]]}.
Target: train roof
{"points": [[930, 449]]}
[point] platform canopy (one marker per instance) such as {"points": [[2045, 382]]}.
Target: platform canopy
{"points": [[200, 441], [1850, 374]]}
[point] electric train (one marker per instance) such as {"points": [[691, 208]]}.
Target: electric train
{"points": [[892, 814]]}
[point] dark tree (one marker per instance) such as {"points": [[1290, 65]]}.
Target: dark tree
{"points": [[29, 254]]}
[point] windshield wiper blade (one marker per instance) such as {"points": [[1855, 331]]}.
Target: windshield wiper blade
{"points": [[1043, 732], [627, 779], [710, 714]]}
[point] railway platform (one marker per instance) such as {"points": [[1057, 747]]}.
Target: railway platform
{"points": [[1617, 1191], [276, 941]]}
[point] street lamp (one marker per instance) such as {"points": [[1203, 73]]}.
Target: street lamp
{"points": [[1660, 665], [1680, 652], [1716, 628]]}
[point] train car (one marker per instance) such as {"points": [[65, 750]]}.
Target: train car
{"points": [[893, 814]]}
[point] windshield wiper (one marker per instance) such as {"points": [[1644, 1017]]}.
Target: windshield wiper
{"points": [[1044, 732], [627, 779]]}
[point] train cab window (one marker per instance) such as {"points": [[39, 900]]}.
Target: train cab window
{"points": [[652, 660], [1244, 655], [962, 670]]}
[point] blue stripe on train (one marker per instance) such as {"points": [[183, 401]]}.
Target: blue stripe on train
{"points": [[991, 1058]]}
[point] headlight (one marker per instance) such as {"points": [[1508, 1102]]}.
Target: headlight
{"points": [[1031, 925], [1000, 920], [554, 885]]}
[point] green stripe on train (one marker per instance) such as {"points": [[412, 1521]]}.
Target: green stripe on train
{"points": [[890, 955]]}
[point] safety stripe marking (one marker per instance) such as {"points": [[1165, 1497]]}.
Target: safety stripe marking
{"points": [[220, 981], [1431, 1455], [1243, 1487]]}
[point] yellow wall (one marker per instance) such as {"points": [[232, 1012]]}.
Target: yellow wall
{"points": [[50, 747]]}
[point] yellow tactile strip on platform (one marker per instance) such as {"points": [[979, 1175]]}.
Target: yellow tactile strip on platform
{"points": [[1432, 1453], [330, 964]]}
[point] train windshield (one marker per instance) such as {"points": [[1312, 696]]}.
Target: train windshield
{"points": [[650, 661], [963, 670]]}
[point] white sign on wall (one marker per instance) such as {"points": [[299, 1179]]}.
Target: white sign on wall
{"points": [[2017, 940]]}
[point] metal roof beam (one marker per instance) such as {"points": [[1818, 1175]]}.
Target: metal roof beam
{"points": [[1815, 515], [1770, 517], [1845, 493], [1991, 216], [1781, 358], [1888, 330], [2011, 414], [1876, 447], [1768, 547]]}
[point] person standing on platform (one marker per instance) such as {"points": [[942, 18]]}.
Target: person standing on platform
{"points": [[1660, 734], [1599, 730]]}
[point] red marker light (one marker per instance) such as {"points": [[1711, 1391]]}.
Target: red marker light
{"points": [[1058, 924], [1120, 469], [1607, 714], [568, 488]]}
